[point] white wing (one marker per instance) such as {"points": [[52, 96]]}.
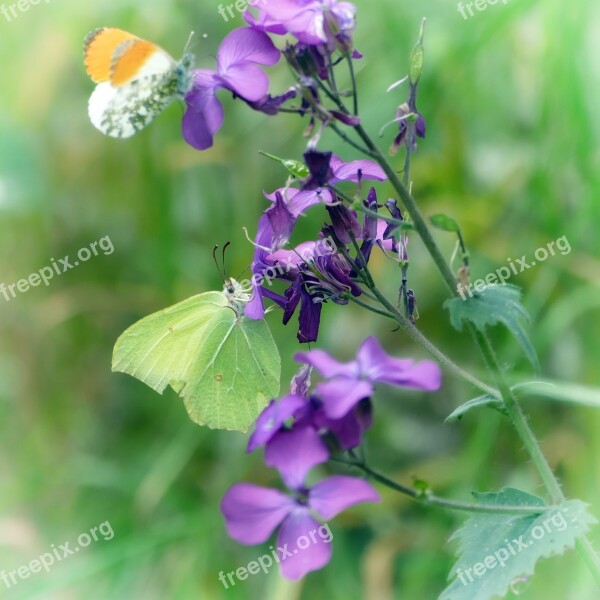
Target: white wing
{"points": [[122, 111]]}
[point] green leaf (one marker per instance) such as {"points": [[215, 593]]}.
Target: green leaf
{"points": [[560, 391], [225, 367], [487, 400], [496, 549], [495, 304], [445, 223], [294, 167]]}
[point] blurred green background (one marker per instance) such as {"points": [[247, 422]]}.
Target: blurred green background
{"points": [[511, 98]]}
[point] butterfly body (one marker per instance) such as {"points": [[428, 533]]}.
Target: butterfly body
{"points": [[136, 81]]}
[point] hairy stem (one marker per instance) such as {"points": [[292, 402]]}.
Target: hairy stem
{"points": [[511, 403], [426, 497]]}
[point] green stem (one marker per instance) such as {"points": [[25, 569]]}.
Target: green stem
{"points": [[433, 500], [511, 403], [416, 335], [515, 412], [370, 308], [353, 79], [418, 221], [350, 141]]}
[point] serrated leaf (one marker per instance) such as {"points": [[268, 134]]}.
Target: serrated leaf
{"points": [[494, 304], [496, 549], [486, 400], [445, 223]]}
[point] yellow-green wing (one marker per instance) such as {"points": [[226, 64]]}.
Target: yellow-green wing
{"points": [[225, 368]]}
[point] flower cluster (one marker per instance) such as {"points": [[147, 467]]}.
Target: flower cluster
{"points": [[302, 430], [320, 26], [323, 30], [314, 277], [299, 432]]}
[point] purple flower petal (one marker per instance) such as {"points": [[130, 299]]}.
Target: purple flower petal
{"points": [[248, 81], [331, 496], [378, 366], [263, 22], [271, 105], [345, 223], [350, 171], [272, 418], [246, 45], [303, 19], [326, 365], [282, 221], [318, 164], [294, 453], [296, 535], [239, 55], [264, 237], [347, 430], [204, 114], [309, 318], [293, 295], [304, 199], [252, 512], [255, 309], [301, 381], [342, 394], [425, 375]]}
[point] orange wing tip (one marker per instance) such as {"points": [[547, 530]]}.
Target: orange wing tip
{"points": [[99, 48], [129, 59]]}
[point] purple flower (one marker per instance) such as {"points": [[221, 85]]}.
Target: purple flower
{"points": [[272, 418], [408, 132], [344, 223], [270, 105], [312, 22], [348, 430], [313, 269], [252, 513], [301, 381], [327, 169], [282, 222], [348, 383], [324, 276], [294, 452], [238, 58], [378, 231], [262, 265]]}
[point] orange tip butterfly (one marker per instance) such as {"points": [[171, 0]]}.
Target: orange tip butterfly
{"points": [[136, 80]]}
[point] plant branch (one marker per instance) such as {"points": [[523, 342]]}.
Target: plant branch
{"points": [[428, 498]]}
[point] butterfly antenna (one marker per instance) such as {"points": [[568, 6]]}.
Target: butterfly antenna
{"points": [[223, 257], [189, 42], [214, 253]]}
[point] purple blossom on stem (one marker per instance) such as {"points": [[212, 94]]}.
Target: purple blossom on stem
{"points": [[325, 276], [253, 512], [238, 59], [329, 169], [312, 22], [349, 383]]}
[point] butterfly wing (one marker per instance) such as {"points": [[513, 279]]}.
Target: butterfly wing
{"points": [[121, 112], [226, 369], [99, 48], [136, 80], [236, 376]]}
